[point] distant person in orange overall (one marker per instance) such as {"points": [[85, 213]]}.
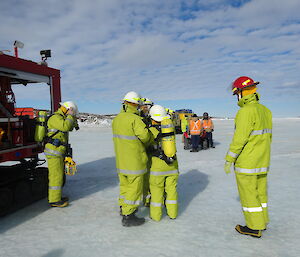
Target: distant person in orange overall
{"points": [[195, 130], [208, 126]]}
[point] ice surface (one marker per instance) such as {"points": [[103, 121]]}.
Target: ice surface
{"points": [[209, 206]]}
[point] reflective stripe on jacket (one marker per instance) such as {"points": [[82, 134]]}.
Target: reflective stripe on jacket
{"points": [[130, 136], [207, 124], [251, 144], [195, 127]]}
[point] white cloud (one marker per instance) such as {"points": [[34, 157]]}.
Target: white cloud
{"points": [[106, 48]]}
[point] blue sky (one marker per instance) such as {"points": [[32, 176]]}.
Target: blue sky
{"points": [[180, 54]]}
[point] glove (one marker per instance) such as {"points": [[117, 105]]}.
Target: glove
{"points": [[227, 167], [154, 131]]}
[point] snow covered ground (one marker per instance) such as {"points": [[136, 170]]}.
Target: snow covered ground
{"points": [[208, 212]]}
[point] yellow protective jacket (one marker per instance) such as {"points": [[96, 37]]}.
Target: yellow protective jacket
{"points": [[130, 136], [62, 123], [184, 125], [251, 144]]}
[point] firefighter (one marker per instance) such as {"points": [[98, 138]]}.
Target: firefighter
{"points": [[146, 104], [164, 166], [184, 129], [195, 130], [249, 152], [171, 113], [208, 127], [130, 136], [59, 125]]}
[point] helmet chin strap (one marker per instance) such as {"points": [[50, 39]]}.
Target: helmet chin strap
{"points": [[239, 95]]}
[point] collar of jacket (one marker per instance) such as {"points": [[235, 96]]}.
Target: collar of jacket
{"points": [[249, 99], [130, 109], [60, 112]]}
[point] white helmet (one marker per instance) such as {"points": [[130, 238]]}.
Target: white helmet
{"points": [[158, 113], [70, 104], [132, 97], [146, 101]]}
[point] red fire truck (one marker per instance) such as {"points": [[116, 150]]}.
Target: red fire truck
{"points": [[22, 181]]}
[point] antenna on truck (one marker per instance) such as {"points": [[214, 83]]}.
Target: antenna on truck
{"points": [[17, 44]]}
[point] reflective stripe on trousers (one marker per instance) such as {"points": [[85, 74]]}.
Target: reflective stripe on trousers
{"points": [[132, 172], [160, 173], [256, 209], [156, 204], [125, 137], [252, 209], [51, 152], [260, 132], [132, 202], [171, 202], [55, 187], [251, 171]]}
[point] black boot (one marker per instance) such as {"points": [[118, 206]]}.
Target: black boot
{"points": [[65, 198], [248, 231], [62, 203], [132, 220]]}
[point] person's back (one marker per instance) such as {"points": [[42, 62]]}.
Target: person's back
{"points": [[249, 152], [130, 136], [253, 119], [208, 127], [164, 169], [195, 130]]}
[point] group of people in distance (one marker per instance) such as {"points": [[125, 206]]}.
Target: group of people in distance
{"points": [[196, 132]]}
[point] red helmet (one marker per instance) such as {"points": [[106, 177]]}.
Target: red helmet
{"points": [[242, 82]]}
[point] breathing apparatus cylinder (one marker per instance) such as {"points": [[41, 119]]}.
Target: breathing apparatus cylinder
{"points": [[40, 129], [168, 142]]}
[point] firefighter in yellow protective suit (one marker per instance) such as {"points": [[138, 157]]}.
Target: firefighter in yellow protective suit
{"points": [[249, 151], [59, 125], [130, 136], [164, 166]]}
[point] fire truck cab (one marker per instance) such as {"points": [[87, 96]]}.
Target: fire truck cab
{"points": [[22, 181]]}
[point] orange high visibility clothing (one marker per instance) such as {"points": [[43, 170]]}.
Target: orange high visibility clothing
{"points": [[195, 127], [207, 124]]}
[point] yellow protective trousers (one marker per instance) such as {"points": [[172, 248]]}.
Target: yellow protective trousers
{"points": [[163, 191], [254, 199], [146, 189], [131, 192], [56, 177]]}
